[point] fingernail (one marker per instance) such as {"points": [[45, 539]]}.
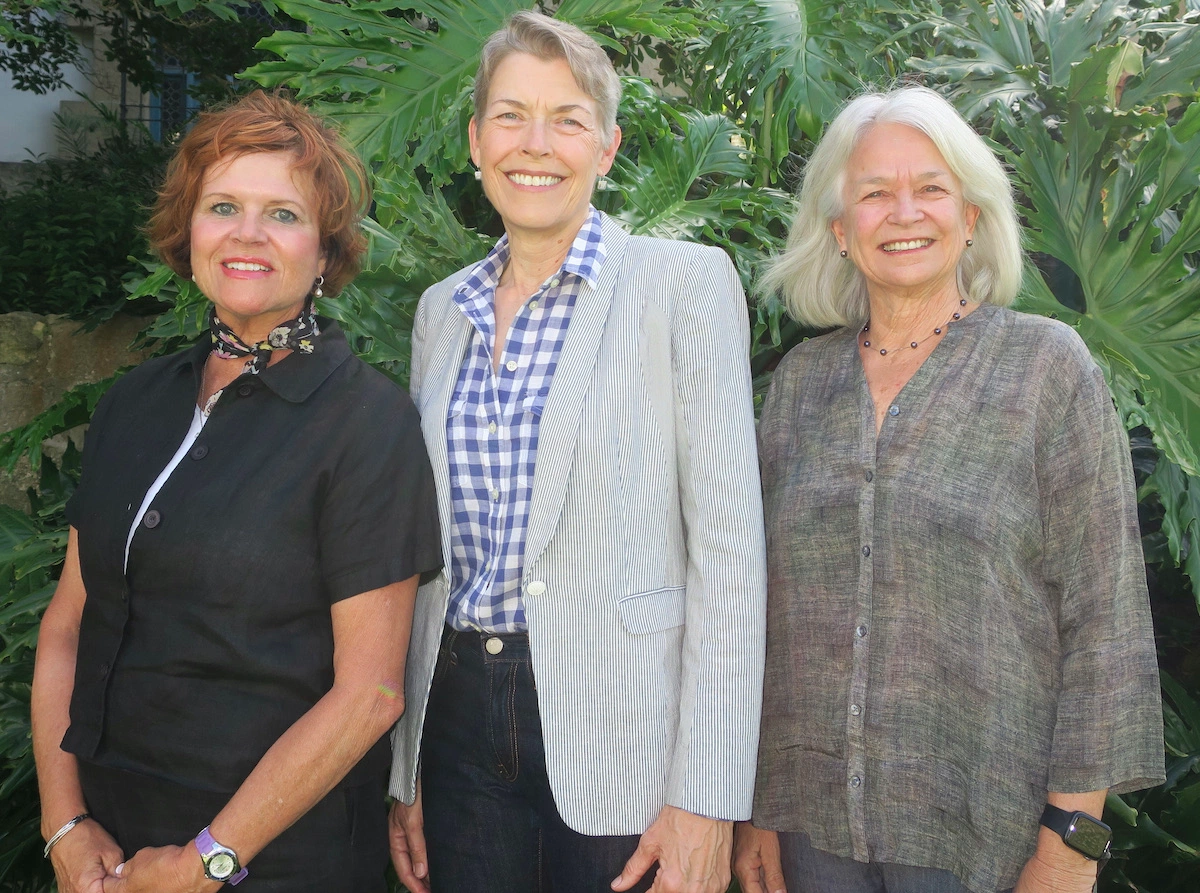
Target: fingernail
{"points": [[419, 869], [119, 870]]}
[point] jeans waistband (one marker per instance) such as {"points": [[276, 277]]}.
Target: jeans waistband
{"points": [[489, 646]]}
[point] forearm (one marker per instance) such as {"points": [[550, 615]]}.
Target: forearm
{"points": [[304, 765], [53, 684], [57, 771]]}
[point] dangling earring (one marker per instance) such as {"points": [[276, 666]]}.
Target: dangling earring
{"points": [[603, 184], [478, 174], [970, 242], [193, 277], [317, 293], [843, 253]]}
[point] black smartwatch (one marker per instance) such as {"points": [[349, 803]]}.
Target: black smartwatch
{"points": [[1082, 833]]}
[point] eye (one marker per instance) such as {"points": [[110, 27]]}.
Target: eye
{"points": [[933, 188], [223, 209], [283, 215]]}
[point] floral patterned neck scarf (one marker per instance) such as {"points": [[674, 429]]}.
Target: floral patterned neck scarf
{"points": [[299, 334]]}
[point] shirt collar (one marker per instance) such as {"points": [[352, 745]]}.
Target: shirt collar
{"points": [[295, 377], [584, 259]]}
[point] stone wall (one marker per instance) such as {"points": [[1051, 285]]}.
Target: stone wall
{"points": [[42, 357]]}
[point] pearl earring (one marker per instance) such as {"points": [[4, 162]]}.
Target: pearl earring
{"points": [[317, 293], [843, 252]]}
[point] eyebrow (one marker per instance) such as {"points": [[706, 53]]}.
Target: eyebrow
{"points": [[925, 175], [228, 195], [516, 103]]}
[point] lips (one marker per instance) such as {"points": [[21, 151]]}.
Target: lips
{"points": [[909, 245]]}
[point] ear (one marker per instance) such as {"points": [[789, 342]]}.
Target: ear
{"points": [[473, 139], [610, 152], [839, 233], [971, 212]]}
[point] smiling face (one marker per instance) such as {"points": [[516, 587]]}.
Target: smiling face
{"points": [[255, 242], [539, 148], [905, 222]]}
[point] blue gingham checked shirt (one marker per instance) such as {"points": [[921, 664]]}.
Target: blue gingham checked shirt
{"points": [[492, 431]]}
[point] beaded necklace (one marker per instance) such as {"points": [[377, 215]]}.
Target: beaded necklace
{"points": [[912, 345]]}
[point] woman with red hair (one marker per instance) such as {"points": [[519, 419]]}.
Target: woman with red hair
{"points": [[226, 644]]}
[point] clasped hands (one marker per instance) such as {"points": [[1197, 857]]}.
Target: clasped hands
{"points": [[88, 860]]}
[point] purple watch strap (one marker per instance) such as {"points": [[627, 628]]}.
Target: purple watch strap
{"points": [[206, 845]]}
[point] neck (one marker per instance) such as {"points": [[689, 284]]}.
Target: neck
{"points": [[533, 257], [897, 317]]}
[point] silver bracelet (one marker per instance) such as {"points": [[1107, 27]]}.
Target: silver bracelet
{"points": [[62, 832]]}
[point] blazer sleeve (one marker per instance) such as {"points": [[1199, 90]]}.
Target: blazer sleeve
{"points": [[713, 762]]}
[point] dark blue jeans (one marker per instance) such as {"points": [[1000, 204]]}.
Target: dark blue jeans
{"points": [[490, 820]]}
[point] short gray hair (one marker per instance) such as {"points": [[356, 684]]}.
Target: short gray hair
{"points": [[818, 286], [546, 38]]}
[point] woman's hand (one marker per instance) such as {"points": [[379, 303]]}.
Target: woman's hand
{"points": [[84, 858], [167, 869], [406, 838], [756, 862]]}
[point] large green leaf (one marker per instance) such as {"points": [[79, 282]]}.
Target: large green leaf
{"points": [[1102, 219]]}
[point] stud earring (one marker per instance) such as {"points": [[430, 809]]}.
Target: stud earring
{"points": [[843, 253], [317, 293], [970, 242]]}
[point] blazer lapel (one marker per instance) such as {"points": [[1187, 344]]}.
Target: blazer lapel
{"points": [[573, 376], [447, 348]]}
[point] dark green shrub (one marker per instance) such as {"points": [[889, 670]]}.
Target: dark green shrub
{"points": [[67, 235]]}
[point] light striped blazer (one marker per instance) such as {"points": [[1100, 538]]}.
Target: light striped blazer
{"points": [[644, 577]]}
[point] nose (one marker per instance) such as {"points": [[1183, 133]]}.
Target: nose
{"points": [[537, 138], [905, 208], [249, 228]]}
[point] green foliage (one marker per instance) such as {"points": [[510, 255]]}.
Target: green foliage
{"points": [[70, 230], [31, 554]]}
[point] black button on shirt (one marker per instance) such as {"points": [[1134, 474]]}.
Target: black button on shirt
{"points": [[220, 637]]}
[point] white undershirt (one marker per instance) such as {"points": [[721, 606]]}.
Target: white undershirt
{"points": [[198, 420]]}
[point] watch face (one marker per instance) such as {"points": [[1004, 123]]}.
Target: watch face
{"points": [[1088, 836], [221, 866]]}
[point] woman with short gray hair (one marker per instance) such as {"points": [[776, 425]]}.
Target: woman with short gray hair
{"points": [[960, 660]]}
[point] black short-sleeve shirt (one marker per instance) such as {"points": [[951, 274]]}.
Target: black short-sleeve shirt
{"points": [[308, 484]]}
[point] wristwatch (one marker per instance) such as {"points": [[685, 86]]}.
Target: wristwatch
{"points": [[1081, 832], [220, 862]]}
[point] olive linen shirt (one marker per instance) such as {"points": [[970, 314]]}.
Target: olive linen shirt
{"points": [[957, 610], [308, 484]]}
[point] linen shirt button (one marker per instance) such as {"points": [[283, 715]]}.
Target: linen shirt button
{"points": [[860, 632], [533, 305], [152, 519], [870, 476], [893, 410], [491, 427], [855, 781], [245, 390], [866, 550], [536, 587], [104, 670], [855, 710], [199, 451], [511, 365], [493, 645], [495, 496], [555, 282]]}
